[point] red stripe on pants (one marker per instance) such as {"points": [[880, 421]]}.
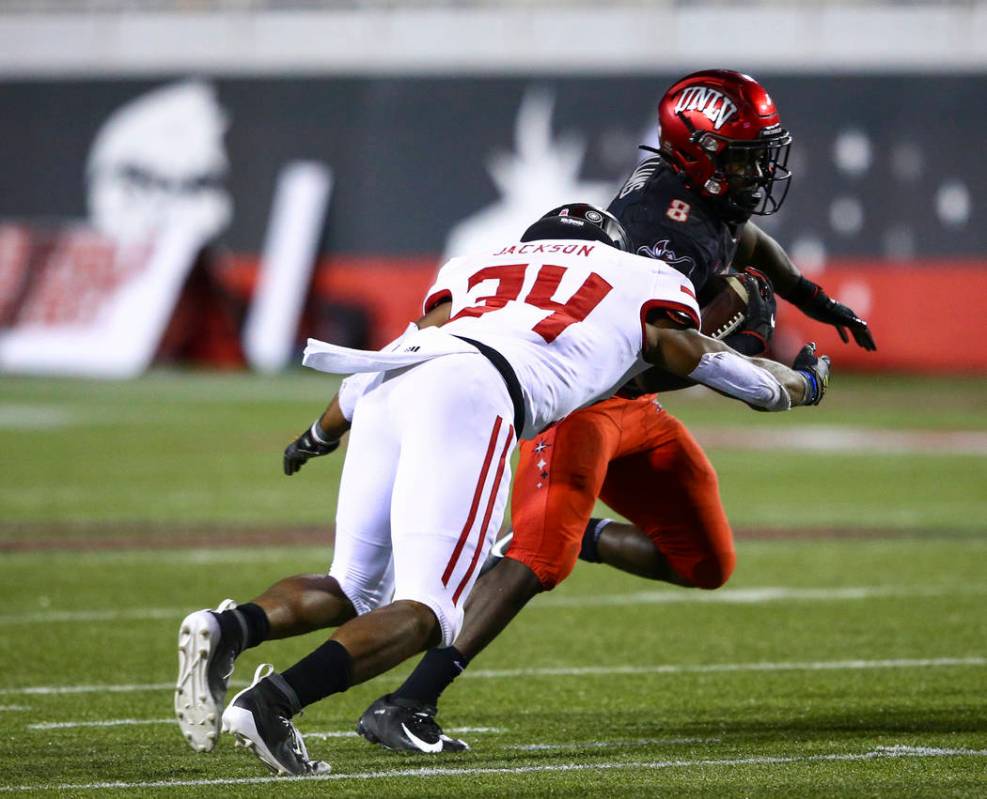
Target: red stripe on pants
{"points": [[486, 516], [464, 535]]}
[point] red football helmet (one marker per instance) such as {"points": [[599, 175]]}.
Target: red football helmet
{"points": [[722, 130]]}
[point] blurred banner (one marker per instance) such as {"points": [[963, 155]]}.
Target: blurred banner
{"points": [[886, 209], [293, 234], [96, 297], [926, 317], [80, 303]]}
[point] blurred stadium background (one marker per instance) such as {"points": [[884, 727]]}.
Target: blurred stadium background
{"points": [[167, 152], [189, 188]]}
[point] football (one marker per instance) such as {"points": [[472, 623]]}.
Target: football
{"points": [[723, 314]]}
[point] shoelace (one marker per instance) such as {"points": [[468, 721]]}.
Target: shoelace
{"points": [[227, 604], [262, 671], [296, 742], [426, 723], [298, 747], [229, 669]]}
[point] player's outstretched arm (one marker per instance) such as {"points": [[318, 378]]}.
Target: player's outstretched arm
{"points": [[318, 440], [756, 248], [761, 383], [325, 432]]}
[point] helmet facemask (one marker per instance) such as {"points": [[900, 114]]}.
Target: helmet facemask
{"points": [[721, 130], [749, 177]]}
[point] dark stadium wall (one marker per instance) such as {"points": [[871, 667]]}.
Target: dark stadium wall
{"points": [[884, 199]]}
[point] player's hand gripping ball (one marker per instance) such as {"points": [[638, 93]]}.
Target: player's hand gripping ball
{"points": [[740, 302]]}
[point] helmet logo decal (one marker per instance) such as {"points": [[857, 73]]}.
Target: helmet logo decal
{"points": [[717, 107]]}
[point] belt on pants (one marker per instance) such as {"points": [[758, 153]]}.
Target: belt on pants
{"points": [[510, 379]]}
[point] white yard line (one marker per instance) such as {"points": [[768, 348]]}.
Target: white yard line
{"points": [[575, 671], [755, 596], [880, 753], [611, 744], [846, 440], [13, 708], [71, 725], [90, 616], [49, 690], [728, 596], [352, 734], [36, 417], [704, 668], [189, 554]]}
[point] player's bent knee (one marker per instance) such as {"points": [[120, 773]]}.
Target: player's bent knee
{"points": [[714, 571], [425, 621], [551, 576], [438, 613], [366, 589], [363, 601], [549, 572]]}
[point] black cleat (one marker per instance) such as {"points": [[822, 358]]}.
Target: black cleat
{"points": [[406, 726], [260, 719]]}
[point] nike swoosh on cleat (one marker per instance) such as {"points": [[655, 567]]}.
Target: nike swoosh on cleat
{"points": [[420, 744]]}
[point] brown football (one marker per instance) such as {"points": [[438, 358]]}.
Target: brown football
{"points": [[723, 314]]}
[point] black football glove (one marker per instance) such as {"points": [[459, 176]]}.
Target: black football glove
{"points": [[309, 444], [817, 304], [815, 370], [758, 326]]}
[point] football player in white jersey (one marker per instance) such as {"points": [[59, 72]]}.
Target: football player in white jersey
{"points": [[529, 333]]}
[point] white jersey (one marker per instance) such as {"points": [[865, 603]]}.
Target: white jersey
{"points": [[567, 315], [427, 471]]}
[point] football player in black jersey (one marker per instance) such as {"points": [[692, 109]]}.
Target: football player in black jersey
{"points": [[722, 159]]}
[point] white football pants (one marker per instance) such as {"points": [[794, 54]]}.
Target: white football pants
{"points": [[424, 486]]}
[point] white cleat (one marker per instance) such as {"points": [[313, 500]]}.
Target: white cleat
{"points": [[259, 718], [205, 666]]}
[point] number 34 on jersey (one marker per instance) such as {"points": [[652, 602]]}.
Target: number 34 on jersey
{"points": [[567, 315]]}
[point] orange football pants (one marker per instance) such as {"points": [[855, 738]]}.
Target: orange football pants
{"points": [[643, 463]]}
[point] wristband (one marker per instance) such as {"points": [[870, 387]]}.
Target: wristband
{"points": [[802, 292], [811, 387], [316, 432]]}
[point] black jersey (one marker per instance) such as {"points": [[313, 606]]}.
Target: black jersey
{"points": [[665, 219]]}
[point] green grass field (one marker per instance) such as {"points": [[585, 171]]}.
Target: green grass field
{"points": [[847, 657]]}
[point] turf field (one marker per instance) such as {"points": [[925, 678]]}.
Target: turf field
{"points": [[847, 656]]}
